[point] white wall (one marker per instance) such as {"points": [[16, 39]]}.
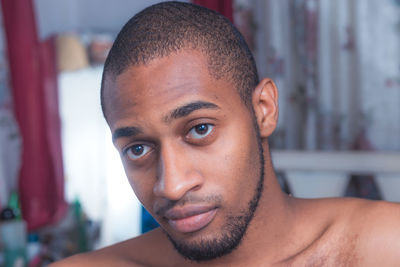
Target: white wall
{"points": [[93, 170]]}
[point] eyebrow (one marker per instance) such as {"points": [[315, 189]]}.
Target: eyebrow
{"points": [[174, 114], [189, 108], [126, 132]]}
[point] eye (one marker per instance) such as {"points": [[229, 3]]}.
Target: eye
{"points": [[200, 131], [137, 151]]}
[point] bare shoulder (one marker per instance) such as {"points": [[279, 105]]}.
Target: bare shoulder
{"points": [[138, 251], [360, 233], [377, 224]]}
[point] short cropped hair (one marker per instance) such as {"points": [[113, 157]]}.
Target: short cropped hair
{"points": [[168, 27]]}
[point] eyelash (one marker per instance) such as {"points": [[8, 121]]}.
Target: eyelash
{"points": [[129, 150], [207, 127], [209, 130]]}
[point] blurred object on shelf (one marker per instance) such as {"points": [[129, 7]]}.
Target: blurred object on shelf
{"points": [[13, 238], [10, 155], [99, 47], [75, 233], [71, 53], [363, 186], [148, 222]]}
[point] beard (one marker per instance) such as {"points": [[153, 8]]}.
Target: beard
{"points": [[232, 232]]}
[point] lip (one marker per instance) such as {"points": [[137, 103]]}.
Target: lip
{"points": [[190, 219]]}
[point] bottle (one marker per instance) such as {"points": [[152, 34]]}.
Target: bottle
{"points": [[13, 235]]}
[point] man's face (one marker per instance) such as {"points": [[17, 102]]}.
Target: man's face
{"points": [[190, 151]]}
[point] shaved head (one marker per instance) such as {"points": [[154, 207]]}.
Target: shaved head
{"points": [[169, 27]]}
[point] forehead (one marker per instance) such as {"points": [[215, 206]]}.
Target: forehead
{"points": [[163, 84]]}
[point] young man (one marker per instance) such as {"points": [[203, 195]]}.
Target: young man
{"points": [[191, 120]]}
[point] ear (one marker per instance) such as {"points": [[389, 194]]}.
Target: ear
{"points": [[265, 104]]}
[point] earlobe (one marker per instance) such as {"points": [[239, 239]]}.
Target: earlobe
{"points": [[265, 104]]}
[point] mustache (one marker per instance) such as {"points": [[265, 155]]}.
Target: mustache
{"points": [[162, 206]]}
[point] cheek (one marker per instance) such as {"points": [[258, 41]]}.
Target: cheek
{"points": [[233, 165], [142, 185]]}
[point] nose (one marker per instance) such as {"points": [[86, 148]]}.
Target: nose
{"points": [[176, 174]]}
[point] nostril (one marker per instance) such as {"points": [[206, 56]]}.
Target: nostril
{"points": [[197, 187]]}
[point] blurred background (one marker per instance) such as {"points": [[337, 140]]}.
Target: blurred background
{"points": [[62, 186]]}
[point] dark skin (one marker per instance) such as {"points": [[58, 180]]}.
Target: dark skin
{"points": [[186, 137]]}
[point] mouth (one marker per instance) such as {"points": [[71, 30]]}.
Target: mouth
{"points": [[190, 219]]}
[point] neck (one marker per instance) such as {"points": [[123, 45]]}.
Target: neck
{"points": [[272, 225]]}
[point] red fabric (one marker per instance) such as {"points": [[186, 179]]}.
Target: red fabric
{"points": [[34, 88], [224, 7]]}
